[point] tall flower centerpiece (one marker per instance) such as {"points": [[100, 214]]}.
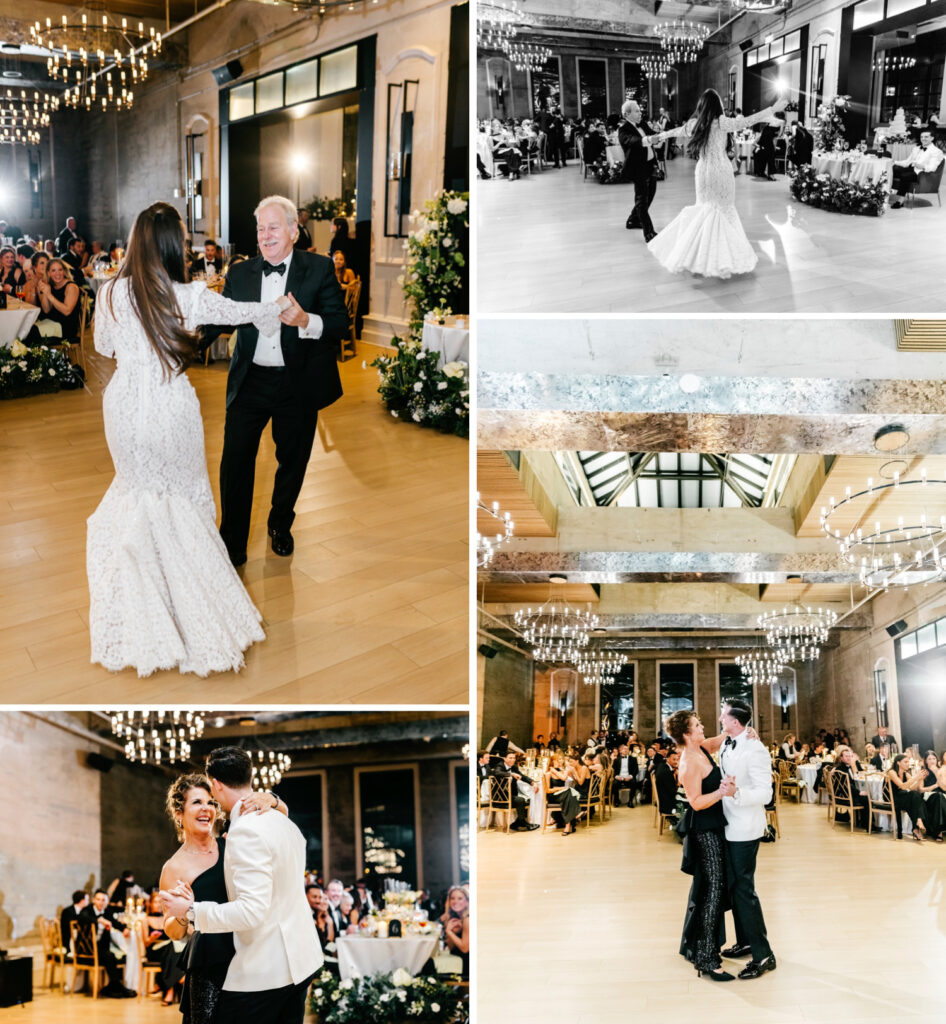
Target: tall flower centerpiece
{"points": [[829, 128]]}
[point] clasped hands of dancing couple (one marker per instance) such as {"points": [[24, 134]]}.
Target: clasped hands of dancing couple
{"points": [[722, 830], [708, 238], [164, 593]]}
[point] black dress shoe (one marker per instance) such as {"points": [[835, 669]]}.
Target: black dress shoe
{"points": [[755, 970], [632, 225], [237, 560], [737, 952], [282, 542], [715, 975]]}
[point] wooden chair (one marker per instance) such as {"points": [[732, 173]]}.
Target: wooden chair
{"points": [[788, 779], [593, 798], [86, 956], [501, 792], [148, 968], [660, 817], [841, 798], [607, 801], [928, 183], [884, 805], [771, 810], [482, 802], [580, 146], [826, 770], [352, 297], [49, 932], [532, 156]]}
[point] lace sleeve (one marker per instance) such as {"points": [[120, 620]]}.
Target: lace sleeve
{"points": [[208, 307], [676, 133], [736, 124], [104, 325]]}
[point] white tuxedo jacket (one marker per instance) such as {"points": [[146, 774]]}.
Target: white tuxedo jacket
{"points": [[273, 934], [750, 763]]}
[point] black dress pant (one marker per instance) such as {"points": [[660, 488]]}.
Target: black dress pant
{"points": [[644, 191], [765, 161], [284, 1005], [522, 809], [265, 395], [903, 177], [746, 908]]}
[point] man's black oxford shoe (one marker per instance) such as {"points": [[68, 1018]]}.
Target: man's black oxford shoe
{"points": [[755, 970], [735, 952], [282, 542]]}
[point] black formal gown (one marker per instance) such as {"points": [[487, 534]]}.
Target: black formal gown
{"points": [[564, 797], [933, 812], [206, 957], [704, 929], [908, 800]]}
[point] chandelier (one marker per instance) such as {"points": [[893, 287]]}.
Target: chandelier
{"points": [[157, 737], [894, 63], [762, 665], [528, 56], [797, 633], [887, 554], [18, 136], [596, 666], [269, 766], [497, 24], [487, 545], [556, 631], [655, 65], [682, 40]]}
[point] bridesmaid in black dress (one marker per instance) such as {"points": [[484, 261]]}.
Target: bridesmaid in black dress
{"points": [[197, 870], [705, 787], [558, 791]]}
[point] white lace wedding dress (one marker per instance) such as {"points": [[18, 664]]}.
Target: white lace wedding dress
{"points": [[708, 238], [163, 592]]}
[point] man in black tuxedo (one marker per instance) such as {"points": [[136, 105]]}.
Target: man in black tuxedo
{"points": [[802, 145], [506, 769], [304, 239], [665, 776], [640, 166], [765, 153], [101, 919], [625, 772], [80, 900], [884, 739], [286, 377], [65, 236]]}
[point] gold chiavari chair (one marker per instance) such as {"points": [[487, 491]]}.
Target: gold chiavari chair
{"points": [[788, 780], [841, 797], [659, 816], [771, 811], [86, 955], [884, 805], [501, 792]]}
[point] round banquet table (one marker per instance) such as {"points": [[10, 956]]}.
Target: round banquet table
{"points": [[870, 169], [359, 956], [452, 342], [16, 320], [537, 803], [808, 773]]}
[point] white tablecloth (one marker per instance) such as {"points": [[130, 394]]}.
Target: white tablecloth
{"points": [[15, 323], [614, 155], [453, 343], [860, 171], [744, 150], [808, 773], [537, 804], [359, 957]]}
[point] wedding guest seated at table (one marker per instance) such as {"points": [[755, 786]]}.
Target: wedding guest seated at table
{"points": [[456, 926], [507, 769], [884, 739], [873, 757], [625, 770], [24, 253], [848, 763], [934, 801], [96, 252], [340, 240], [76, 258], [34, 277], [101, 919], [553, 742], [160, 950], [349, 915], [12, 278], [210, 261], [505, 149], [924, 159], [324, 925], [665, 778], [906, 795], [343, 273], [80, 900], [59, 299], [560, 791]]}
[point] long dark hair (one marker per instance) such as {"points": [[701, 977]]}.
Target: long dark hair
{"points": [[708, 110], [154, 263]]}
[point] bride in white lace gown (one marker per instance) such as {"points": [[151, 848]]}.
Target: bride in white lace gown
{"points": [[708, 238], [163, 592]]}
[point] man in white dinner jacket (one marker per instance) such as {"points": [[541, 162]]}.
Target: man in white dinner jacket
{"points": [[277, 950], [749, 764]]}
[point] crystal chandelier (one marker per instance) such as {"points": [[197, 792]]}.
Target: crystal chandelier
{"points": [[487, 545], [596, 666], [497, 24], [655, 65], [762, 666], [905, 553], [893, 63], [797, 633], [682, 40], [556, 631], [528, 56], [269, 766], [157, 737]]}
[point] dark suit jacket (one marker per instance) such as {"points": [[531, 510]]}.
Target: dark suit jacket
{"points": [[313, 369], [666, 788], [87, 916], [802, 145], [502, 772], [639, 162], [632, 768], [65, 918], [890, 741]]}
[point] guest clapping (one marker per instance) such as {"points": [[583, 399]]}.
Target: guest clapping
{"points": [[12, 278], [456, 925], [906, 795], [59, 299]]}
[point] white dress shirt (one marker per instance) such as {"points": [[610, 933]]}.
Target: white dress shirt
{"points": [[268, 346], [622, 767], [923, 160], [751, 765]]}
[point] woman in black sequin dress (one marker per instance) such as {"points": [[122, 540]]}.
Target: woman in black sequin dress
{"points": [[197, 870], [705, 788]]}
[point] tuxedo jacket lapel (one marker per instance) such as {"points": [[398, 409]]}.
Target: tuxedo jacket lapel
{"points": [[294, 277]]}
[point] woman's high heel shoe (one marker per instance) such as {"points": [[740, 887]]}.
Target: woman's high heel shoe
{"points": [[716, 975]]}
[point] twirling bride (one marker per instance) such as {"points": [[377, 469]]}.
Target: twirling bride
{"points": [[708, 238]]}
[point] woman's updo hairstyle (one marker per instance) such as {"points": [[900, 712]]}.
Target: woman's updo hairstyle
{"points": [[177, 794], [678, 725]]}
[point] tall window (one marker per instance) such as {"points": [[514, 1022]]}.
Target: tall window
{"points": [[461, 786], [546, 86], [734, 686], [635, 85], [732, 90], [617, 699], [819, 56], [305, 795], [677, 685], [592, 87], [880, 692], [388, 824]]}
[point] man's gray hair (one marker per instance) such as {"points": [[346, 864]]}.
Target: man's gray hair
{"points": [[287, 206], [627, 106]]}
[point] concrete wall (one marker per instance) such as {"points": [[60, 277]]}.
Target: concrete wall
{"points": [[50, 843], [508, 693]]}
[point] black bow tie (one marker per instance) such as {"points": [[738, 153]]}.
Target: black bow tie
{"points": [[730, 742], [268, 269]]}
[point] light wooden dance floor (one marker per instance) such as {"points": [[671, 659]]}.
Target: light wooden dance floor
{"points": [[586, 928], [372, 607], [553, 243]]}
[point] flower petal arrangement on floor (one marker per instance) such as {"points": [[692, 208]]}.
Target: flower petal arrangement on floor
{"points": [[387, 999], [821, 190]]}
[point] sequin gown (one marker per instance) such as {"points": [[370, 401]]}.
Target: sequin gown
{"points": [[163, 592], [708, 238]]}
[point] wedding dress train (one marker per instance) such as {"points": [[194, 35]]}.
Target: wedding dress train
{"points": [[708, 238]]}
